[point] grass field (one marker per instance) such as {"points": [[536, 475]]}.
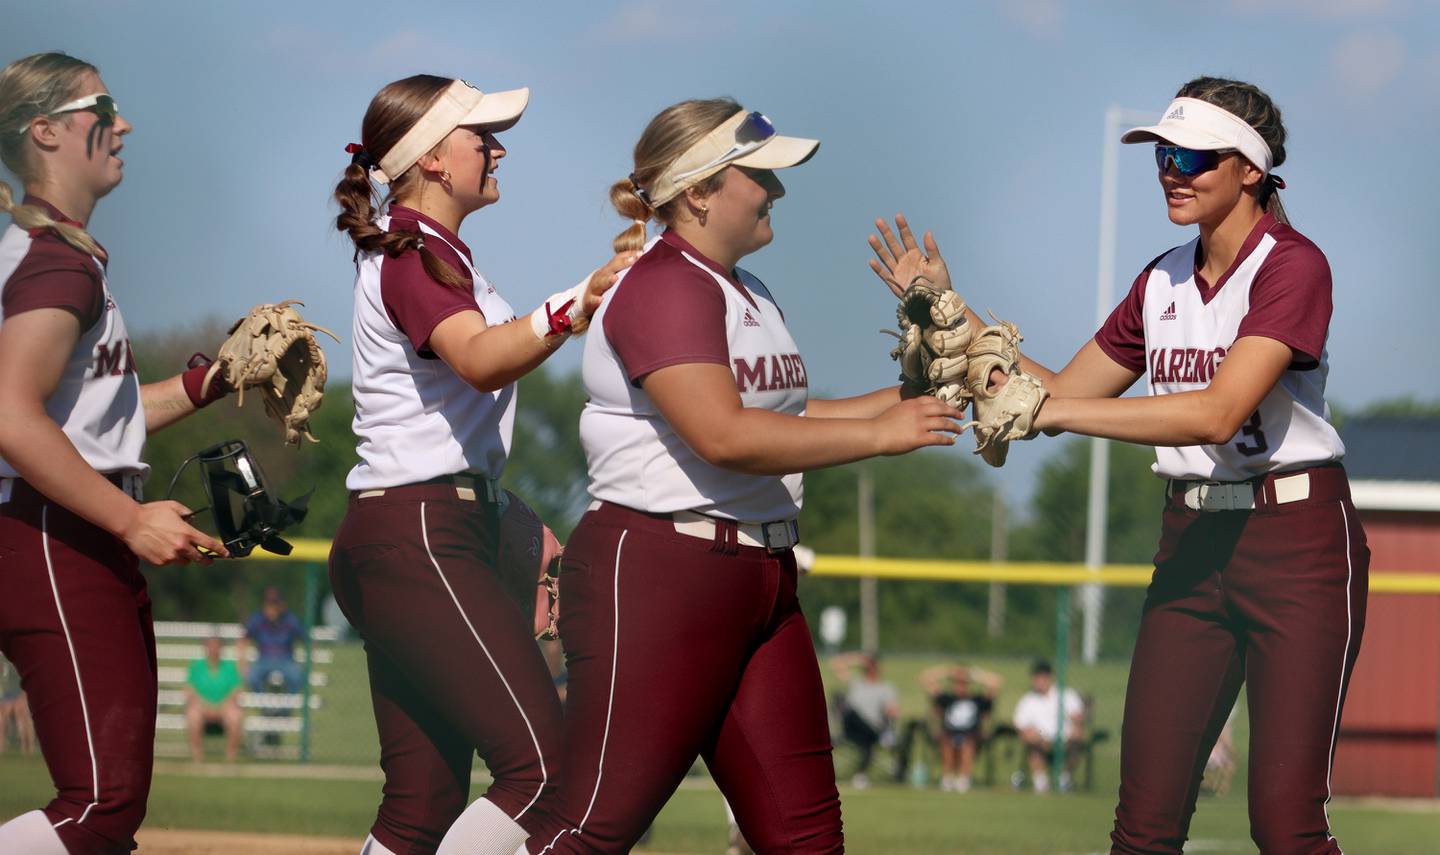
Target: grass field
{"points": [[336, 796], [882, 819]]}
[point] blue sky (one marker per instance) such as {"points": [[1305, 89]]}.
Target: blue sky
{"points": [[980, 120]]}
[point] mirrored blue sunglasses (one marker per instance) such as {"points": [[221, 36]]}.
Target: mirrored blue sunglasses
{"points": [[1188, 161]]}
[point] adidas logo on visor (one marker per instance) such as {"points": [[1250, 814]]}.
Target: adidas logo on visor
{"points": [[1177, 113]]}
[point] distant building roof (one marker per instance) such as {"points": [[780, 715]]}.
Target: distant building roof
{"points": [[1393, 463], [1387, 448]]}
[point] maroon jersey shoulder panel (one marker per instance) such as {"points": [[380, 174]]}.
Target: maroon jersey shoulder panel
{"points": [[1291, 297], [55, 275], [666, 311], [415, 301], [670, 237], [1122, 336]]}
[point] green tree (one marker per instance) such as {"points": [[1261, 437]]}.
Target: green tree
{"points": [[1056, 528], [547, 465], [935, 503]]}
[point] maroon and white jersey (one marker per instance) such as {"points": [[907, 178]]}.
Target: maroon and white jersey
{"points": [[415, 418], [97, 403], [1177, 328], [673, 307]]}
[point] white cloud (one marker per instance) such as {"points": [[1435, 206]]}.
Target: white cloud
{"points": [[1366, 62], [1043, 19]]}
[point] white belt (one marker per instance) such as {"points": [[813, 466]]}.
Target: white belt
{"points": [[1240, 495], [468, 488], [775, 536], [133, 486]]}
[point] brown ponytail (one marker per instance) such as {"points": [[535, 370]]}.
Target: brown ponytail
{"points": [[392, 112], [1247, 101], [36, 86], [668, 135]]}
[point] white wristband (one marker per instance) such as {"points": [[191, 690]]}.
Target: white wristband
{"points": [[540, 322]]}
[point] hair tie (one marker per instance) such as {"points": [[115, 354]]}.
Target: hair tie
{"points": [[360, 157], [639, 192], [1276, 182]]}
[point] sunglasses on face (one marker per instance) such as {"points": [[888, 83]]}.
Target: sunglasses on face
{"points": [[1188, 161], [752, 132], [103, 106]]}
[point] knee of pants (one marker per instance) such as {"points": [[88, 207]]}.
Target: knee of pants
{"points": [[1147, 835], [108, 827], [1285, 834]]}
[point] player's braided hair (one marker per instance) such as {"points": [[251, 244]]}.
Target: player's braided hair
{"points": [[668, 135], [30, 87], [1247, 101], [392, 112]]}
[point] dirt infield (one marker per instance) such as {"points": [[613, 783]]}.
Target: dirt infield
{"points": [[228, 843]]}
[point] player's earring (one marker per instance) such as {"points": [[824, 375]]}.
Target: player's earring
{"points": [[445, 176], [703, 215]]}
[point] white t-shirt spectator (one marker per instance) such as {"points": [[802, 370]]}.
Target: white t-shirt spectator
{"points": [[1038, 712], [870, 699]]}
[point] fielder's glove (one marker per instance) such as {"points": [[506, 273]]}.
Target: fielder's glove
{"points": [[933, 338], [1005, 412], [275, 349], [528, 564]]}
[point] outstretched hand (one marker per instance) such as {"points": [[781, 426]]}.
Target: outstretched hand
{"points": [[603, 280], [898, 260]]}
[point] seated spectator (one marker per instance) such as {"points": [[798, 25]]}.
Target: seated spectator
{"points": [[870, 708], [962, 699], [14, 709], [1037, 719], [274, 630], [1220, 765], [212, 696]]}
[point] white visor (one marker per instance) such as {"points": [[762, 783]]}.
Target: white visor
{"points": [[459, 105], [722, 147], [1192, 123]]}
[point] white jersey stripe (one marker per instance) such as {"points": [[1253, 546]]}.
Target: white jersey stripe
{"points": [[544, 777], [75, 663], [610, 704]]}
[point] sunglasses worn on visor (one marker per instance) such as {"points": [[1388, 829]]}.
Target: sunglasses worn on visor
{"points": [[1188, 161], [753, 131]]}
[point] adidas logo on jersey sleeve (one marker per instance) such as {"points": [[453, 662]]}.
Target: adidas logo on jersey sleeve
{"points": [[1169, 313], [749, 320]]}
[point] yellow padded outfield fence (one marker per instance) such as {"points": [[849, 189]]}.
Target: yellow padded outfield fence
{"points": [[935, 570]]}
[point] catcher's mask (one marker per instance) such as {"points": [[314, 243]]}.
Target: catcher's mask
{"points": [[247, 512]]}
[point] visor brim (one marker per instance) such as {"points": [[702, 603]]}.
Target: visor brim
{"points": [[1181, 135], [779, 153], [497, 111]]}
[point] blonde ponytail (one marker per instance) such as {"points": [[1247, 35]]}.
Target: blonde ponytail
{"points": [[32, 217], [627, 201]]}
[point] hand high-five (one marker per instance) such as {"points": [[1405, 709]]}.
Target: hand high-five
{"points": [[899, 260]]}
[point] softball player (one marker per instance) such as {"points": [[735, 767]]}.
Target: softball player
{"points": [[74, 613], [454, 668], [679, 616], [1262, 569]]}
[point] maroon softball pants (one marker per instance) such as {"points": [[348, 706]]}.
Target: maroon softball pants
{"points": [[1273, 598], [680, 647], [75, 620], [454, 668]]}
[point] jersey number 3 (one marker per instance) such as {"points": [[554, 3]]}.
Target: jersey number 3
{"points": [[1256, 444]]}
